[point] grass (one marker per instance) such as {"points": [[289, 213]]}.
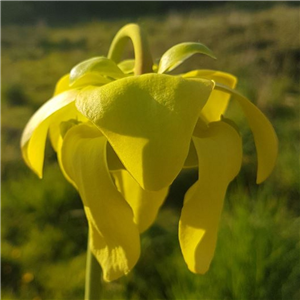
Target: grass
{"points": [[43, 225]]}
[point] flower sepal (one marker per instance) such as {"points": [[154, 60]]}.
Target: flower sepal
{"points": [[176, 55]]}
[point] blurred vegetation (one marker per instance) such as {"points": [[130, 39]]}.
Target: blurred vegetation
{"points": [[30, 12], [43, 225]]}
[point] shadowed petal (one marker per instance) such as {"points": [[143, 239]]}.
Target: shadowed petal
{"points": [[70, 113], [145, 204], [113, 161], [219, 151], [144, 118], [114, 236], [191, 160]]}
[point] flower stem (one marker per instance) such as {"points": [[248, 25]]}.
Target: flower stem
{"points": [[143, 58], [92, 279]]}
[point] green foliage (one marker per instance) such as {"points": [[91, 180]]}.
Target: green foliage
{"points": [[43, 224]]}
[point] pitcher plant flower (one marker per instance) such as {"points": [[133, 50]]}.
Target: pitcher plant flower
{"points": [[124, 130]]}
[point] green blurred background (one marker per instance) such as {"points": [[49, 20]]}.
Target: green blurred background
{"points": [[43, 225]]}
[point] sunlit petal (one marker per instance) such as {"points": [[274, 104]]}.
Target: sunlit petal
{"points": [[86, 79], [35, 133], [64, 127], [145, 204], [219, 152], [114, 236], [90, 79], [218, 101], [265, 138], [99, 65], [62, 85], [179, 53], [144, 118]]}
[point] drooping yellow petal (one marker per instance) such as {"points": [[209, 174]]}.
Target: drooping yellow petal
{"points": [[144, 118], [113, 162], [145, 204], [35, 133], [114, 236], [219, 152], [265, 138], [64, 127], [218, 101]]}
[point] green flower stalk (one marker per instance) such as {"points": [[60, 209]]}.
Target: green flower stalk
{"points": [[123, 131]]}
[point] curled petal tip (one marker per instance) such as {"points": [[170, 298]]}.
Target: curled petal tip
{"points": [[179, 53], [265, 137]]}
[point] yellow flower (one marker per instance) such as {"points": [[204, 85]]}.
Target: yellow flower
{"points": [[123, 131]]}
